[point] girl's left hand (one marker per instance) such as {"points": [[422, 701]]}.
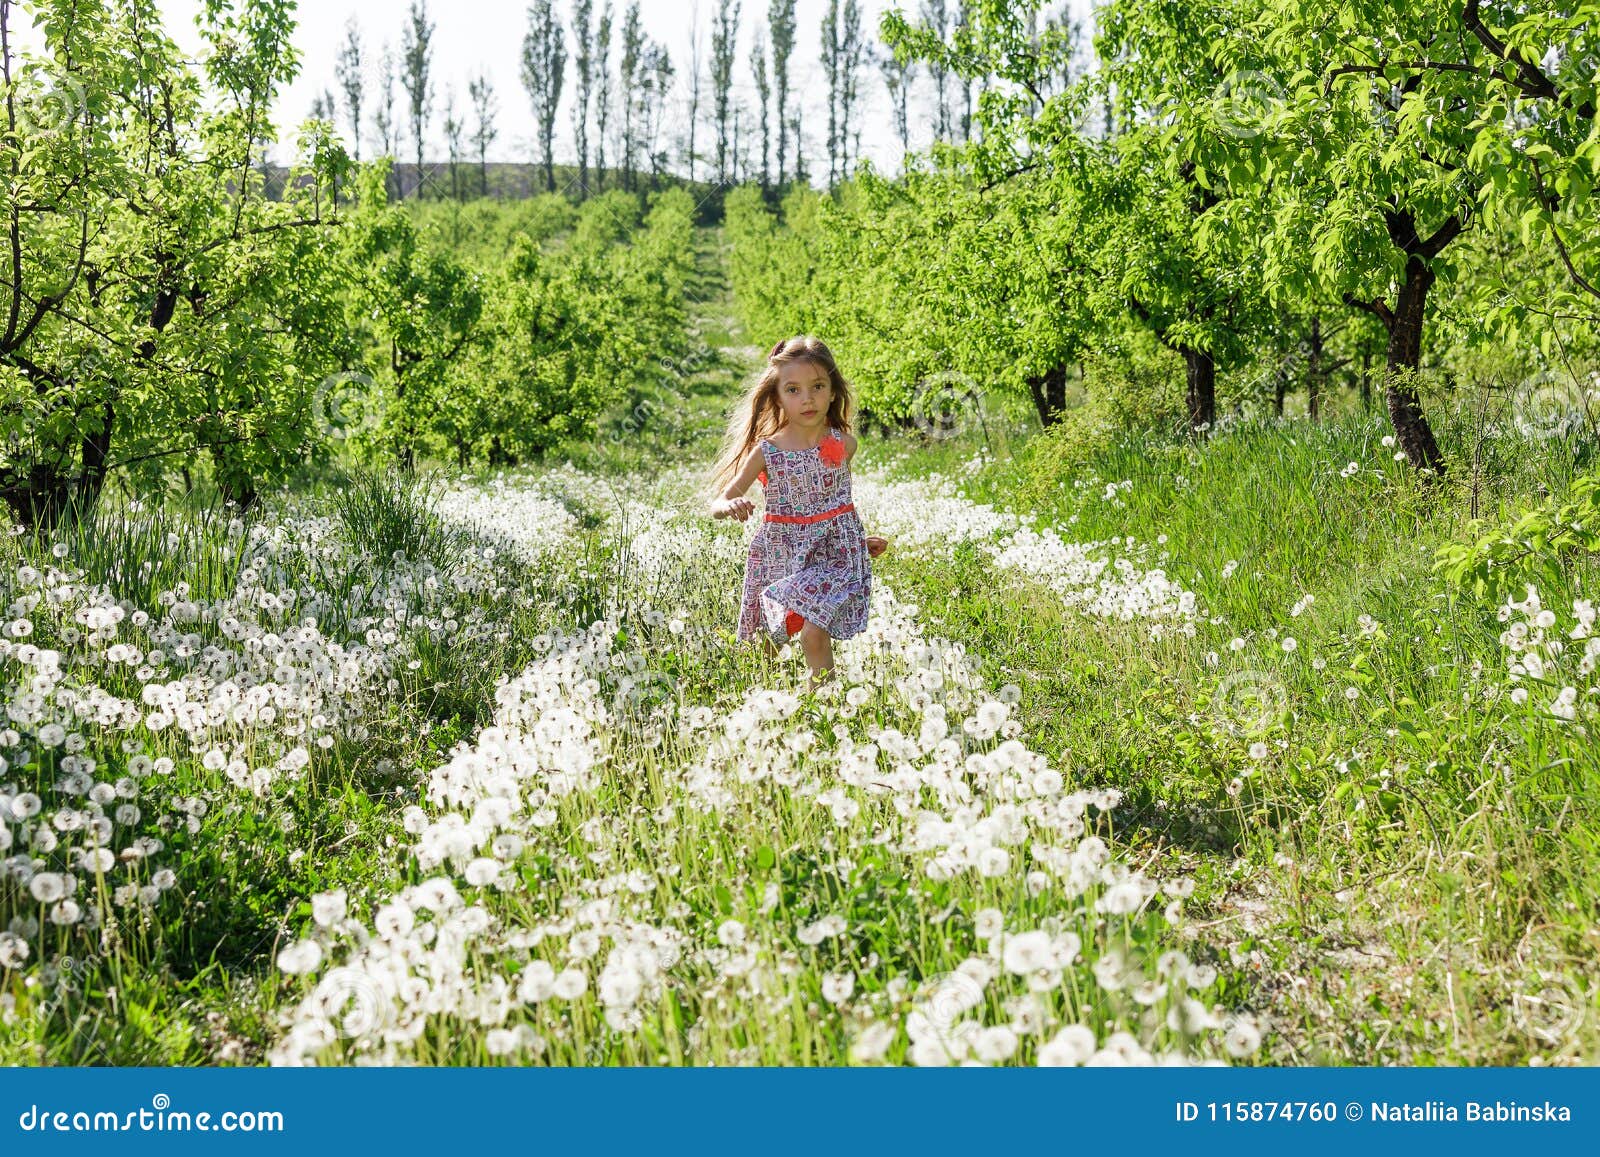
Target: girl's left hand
{"points": [[876, 545]]}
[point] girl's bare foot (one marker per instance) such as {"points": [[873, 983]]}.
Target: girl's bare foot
{"points": [[876, 545], [818, 678], [818, 647]]}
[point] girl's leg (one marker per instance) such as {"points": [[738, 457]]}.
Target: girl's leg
{"points": [[818, 646]]}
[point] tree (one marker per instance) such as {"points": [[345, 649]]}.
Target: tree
{"points": [[724, 46], [582, 17], [454, 130], [781, 23], [1525, 80], [323, 107], [158, 308], [602, 64], [1388, 185], [632, 66], [696, 63], [417, 54], [1168, 247], [842, 49], [758, 70], [484, 107], [936, 22], [425, 306], [1131, 212], [655, 83], [544, 70], [1064, 34], [350, 68], [383, 116], [898, 76], [797, 134], [965, 80]]}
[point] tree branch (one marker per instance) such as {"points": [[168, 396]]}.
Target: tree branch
{"points": [[1376, 307], [1530, 79], [1384, 65], [1582, 282]]}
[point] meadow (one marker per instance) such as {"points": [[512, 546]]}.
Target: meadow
{"points": [[1227, 395], [1199, 760]]}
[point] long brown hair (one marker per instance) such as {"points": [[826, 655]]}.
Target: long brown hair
{"points": [[758, 413]]}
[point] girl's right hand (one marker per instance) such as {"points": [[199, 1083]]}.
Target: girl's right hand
{"points": [[740, 508]]}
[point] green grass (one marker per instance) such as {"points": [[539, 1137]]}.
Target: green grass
{"points": [[1406, 878], [1401, 871]]}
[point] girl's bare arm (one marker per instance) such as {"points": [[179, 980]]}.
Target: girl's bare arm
{"points": [[732, 503]]}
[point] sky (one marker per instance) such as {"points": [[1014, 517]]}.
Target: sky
{"points": [[487, 34]]}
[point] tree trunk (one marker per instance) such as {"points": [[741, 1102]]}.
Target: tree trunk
{"points": [[1049, 391], [39, 499], [1404, 356], [96, 450], [237, 487], [1200, 370], [1314, 368]]}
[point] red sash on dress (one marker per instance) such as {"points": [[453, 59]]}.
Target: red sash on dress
{"points": [[834, 513]]}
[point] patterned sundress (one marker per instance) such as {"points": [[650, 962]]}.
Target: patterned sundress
{"points": [[809, 559]]}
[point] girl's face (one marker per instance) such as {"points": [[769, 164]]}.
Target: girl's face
{"points": [[805, 393]]}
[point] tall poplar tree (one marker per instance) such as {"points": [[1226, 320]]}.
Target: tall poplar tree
{"points": [[417, 77], [724, 46], [544, 70]]}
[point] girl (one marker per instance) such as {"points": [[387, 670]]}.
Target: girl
{"points": [[808, 572]]}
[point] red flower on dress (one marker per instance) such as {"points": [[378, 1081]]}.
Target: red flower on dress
{"points": [[763, 477], [831, 450]]}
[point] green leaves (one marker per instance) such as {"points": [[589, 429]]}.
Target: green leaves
{"points": [[1534, 548], [167, 309]]}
